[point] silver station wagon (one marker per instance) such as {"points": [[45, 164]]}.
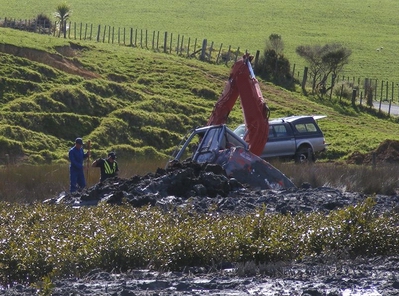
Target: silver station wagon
{"points": [[294, 137]]}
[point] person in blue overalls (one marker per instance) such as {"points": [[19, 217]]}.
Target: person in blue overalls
{"points": [[76, 174]]}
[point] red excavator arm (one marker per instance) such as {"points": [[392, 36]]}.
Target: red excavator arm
{"points": [[242, 83], [217, 144]]}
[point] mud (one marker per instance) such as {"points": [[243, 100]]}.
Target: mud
{"points": [[203, 188]]}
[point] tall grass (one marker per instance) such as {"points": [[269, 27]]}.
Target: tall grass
{"points": [[380, 179], [29, 183]]}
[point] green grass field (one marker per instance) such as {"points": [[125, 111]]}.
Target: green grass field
{"points": [[361, 26]]}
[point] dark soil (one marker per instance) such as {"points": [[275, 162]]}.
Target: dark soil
{"points": [[202, 188], [386, 152]]}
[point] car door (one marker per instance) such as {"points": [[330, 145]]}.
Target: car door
{"points": [[281, 141]]}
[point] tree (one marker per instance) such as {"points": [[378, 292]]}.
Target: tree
{"points": [[62, 13], [323, 61], [275, 43], [273, 66]]}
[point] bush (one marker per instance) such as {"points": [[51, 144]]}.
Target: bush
{"points": [[343, 90], [275, 68], [43, 21]]}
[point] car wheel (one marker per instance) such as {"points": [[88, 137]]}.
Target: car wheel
{"points": [[304, 155]]}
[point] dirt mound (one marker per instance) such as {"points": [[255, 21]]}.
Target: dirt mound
{"points": [[203, 188], [53, 60], [387, 152]]}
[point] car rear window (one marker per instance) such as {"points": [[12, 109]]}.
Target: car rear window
{"points": [[306, 127]]}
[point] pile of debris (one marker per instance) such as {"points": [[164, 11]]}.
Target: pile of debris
{"points": [[387, 152], [205, 188]]}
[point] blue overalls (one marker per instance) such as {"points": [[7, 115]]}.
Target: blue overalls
{"points": [[76, 174]]}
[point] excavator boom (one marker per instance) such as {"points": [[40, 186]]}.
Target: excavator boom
{"points": [[243, 83]]}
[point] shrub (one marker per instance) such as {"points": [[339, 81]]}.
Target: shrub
{"points": [[275, 68], [343, 90], [43, 22]]}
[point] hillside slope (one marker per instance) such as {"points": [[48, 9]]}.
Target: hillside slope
{"points": [[136, 102]]}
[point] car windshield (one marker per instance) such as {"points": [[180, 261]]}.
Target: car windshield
{"points": [[240, 130]]}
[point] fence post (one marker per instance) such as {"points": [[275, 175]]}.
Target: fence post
{"points": [[354, 97], [171, 39], [342, 89], [195, 46], [210, 51], [220, 49], [131, 36], [333, 76], [304, 78], [228, 54], [113, 34], [257, 58], [398, 91], [386, 91], [119, 35], [98, 33], [153, 40], [188, 47], [178, 42], [361, 98], [382, 89], [157, 40], [237, 52], [55, 27], [202, 56], [293, 73], [392, 91], [165, 41], [64, 28], [181, 44]]}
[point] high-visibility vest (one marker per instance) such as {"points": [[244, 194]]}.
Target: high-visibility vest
{"points": [[108, 169]]}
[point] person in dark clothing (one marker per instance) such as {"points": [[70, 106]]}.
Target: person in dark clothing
{"points": [[76, 175], [108, 166]]}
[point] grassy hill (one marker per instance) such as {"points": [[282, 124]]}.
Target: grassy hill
{"points": [[361, 26], [136, 102]]}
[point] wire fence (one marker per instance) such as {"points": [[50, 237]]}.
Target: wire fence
{"points": [[358, 90]]}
